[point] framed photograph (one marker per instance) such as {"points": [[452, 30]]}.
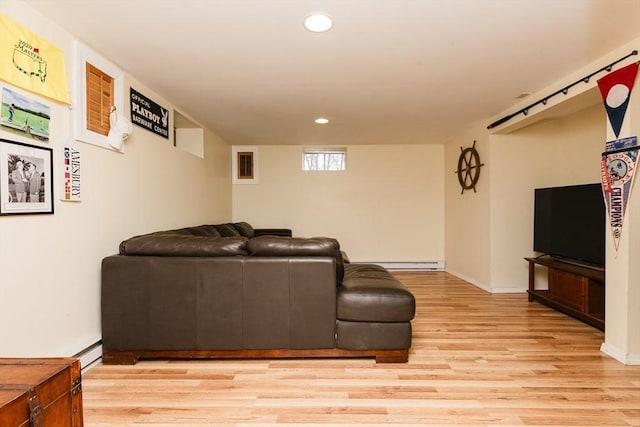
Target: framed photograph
{"points": [[26, 179], [24, 115]]}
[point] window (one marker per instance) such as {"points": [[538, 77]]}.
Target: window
{"points": [[330, 159], [244, 166], [100, 99]]}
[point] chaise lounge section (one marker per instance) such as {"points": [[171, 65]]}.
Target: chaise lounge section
{"points": [[228, 291]]}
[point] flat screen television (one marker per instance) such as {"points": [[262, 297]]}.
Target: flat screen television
{"points": [[569, 222]]}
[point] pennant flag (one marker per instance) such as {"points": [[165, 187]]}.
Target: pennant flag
{"points": [[615, 89], [618, 166], [30, 62]]}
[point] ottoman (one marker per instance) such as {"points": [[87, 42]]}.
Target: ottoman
{"points": [[374, 309]]}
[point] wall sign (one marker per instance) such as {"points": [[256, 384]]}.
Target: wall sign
{"points": [[149, 115], [72, 179]]}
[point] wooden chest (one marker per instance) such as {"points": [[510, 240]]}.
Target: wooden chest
{"points": [[40, 392]]}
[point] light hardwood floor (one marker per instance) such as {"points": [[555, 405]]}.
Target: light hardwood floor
{"points": [[477, 360]]}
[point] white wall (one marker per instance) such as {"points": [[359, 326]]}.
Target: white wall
{"points": [[467, 213], [387, 206], [556, 152], [489, 233], [50, 264]]}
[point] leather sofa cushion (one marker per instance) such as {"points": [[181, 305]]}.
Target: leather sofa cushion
{"points": [[245, 229], [293, 246], [172, 244], [286, 232], [227, 230], [200, 230], [368, 335], [369, 293], [274, 246]]}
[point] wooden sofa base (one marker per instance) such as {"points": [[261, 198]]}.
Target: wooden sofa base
{"points": [[117, 357]]}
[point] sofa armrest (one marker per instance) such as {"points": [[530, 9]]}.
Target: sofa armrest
{"points": [[286, 232]]}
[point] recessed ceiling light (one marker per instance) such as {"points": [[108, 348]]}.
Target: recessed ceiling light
{"points": [[318, 22], [322, 121]]}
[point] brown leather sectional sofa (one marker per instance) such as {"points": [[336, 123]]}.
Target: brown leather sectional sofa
{"points": [[229, 291]]}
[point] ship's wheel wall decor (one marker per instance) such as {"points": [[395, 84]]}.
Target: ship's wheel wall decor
{"points": [[469, 168]]}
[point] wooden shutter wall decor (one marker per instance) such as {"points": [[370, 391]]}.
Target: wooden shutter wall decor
{"points": [[100, 99], [245, 165]]}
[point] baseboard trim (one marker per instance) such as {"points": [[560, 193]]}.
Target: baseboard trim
{"points": [[470, 280], [409, 266], [90, 355], [487, 288], [508, 291], [619, 355]]}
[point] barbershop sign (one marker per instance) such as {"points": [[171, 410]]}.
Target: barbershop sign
{"points": [[149, 115]]}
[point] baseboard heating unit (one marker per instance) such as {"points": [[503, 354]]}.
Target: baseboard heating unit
{"points": [[90, 355], [411, 266]]}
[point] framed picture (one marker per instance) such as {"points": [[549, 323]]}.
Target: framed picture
{"points": [[26, 179], [24, 115]]}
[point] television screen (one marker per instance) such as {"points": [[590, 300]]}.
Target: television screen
{"points": [[569, 222]]}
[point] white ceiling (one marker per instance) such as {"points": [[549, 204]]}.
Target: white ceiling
{"points": [[390, 71]]}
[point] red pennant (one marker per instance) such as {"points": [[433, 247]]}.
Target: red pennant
{"points": [[615, 89]]}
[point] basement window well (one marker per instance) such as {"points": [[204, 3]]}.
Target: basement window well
{"points": [[187, 135], [324, 159]]}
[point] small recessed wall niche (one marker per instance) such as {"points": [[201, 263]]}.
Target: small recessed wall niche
{"points": [[187, 135]]}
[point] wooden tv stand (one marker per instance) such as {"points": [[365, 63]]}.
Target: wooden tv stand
{"points": [[574, 288]]}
